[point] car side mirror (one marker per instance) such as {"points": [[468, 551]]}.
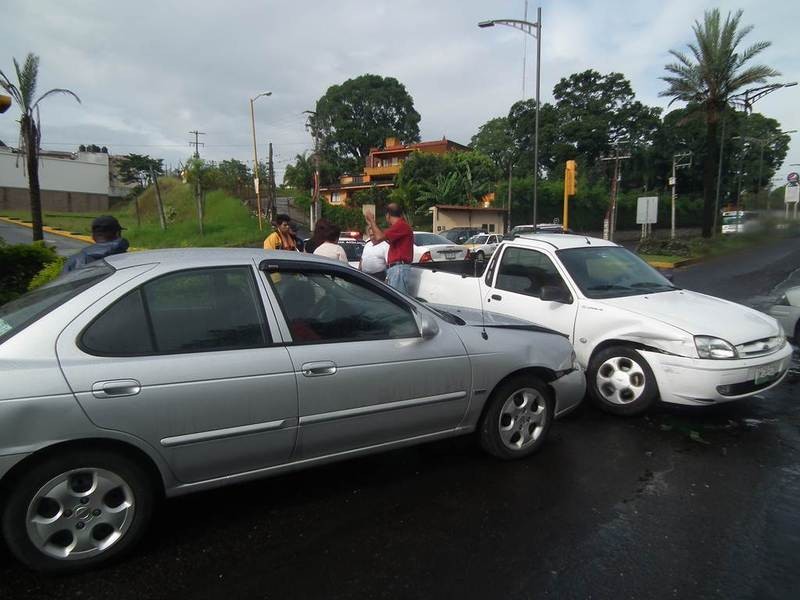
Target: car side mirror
{"points": [[555, 293], [428, 327]]}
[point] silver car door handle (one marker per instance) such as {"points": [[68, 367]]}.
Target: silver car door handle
{"points": [[318, 369], [118, 387]]}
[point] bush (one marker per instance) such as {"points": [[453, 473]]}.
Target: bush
{"points": [[665, 247], [47, 274], [18, 265]]}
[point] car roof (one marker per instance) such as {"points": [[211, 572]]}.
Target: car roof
{"points": [[196, 257], [560, 241]]}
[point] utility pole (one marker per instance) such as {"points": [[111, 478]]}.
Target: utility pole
{"points": [[508, 222], [270, 187], [161, 217], [610, 222], [256, 183], [673, 181], [197, 143], [316, 211]]}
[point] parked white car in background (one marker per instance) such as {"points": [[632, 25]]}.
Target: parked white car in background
{"points": [[483, 245], [638, 336], [787, 312], [430, 247]]}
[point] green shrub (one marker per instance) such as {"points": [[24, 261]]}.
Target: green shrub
{"points": [[18, 265], [48, 273], [665, 247]]}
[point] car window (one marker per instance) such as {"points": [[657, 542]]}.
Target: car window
{"points": [[430, 239], [353, 250], [326, 307], [189, 311], [526, 271]]}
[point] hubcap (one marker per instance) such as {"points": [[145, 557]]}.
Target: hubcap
{"points": [[80, 513], [620, 380], [522, 418]]}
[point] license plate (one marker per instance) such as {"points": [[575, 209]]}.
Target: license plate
{"points": [[449, 255], [766, 372]]}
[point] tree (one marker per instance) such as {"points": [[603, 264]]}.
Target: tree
{"points": [[135, 168], [300, 175], [361, 113], [445, 189], [708, 78], [30, 130], [495, 140]]}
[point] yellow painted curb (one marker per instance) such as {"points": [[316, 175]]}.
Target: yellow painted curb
{"points": [[53, 230], [663, 264]]}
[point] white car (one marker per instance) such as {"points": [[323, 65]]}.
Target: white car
{"points": [[353, 249], [430, 247], [637, 336], [743, 221], [483, 245], [787, 312]]}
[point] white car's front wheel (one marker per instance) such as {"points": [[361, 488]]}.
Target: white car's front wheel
{"points": [[621, 382]]}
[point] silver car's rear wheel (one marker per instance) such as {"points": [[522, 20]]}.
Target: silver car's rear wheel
{"points": [[77, 509], [517, 417], [522, 418], [80, 513]]}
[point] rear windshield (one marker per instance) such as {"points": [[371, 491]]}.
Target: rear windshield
{"points": [[18, 314], [353, 250], [429, 239]]}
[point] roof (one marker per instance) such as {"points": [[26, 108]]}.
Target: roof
{"points": [[468, 208], [197, 257], [561, 240], [419, 146]]}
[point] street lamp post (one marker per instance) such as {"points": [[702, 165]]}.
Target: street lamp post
{"points": [[255, 159], [534, 30]]}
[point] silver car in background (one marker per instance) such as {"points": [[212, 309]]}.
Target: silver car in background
{"points": [[169, 372]]}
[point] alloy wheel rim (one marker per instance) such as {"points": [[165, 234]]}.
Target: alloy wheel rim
{"points": [[522, 418], [80, 513], [621, 380]]}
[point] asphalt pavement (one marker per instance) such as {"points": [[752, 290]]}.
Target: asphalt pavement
{"points": [[681, 503], [17, 234]]}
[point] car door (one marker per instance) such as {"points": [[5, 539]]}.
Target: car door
{"points": [[365, 375], [190, 362], [494, 241], [519, 278]]}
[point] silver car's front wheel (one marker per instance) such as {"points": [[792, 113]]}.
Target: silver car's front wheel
{"points": [[80, 513], [517, 417], [77, 509], [522, 418]]}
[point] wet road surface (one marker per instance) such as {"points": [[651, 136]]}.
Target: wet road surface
{"points": [[681, 503], [17, 234]]}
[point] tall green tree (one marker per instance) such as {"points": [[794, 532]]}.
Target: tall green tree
{"points": [[135, 168], [714, 70], [495, 140], [361, 113], [30, 130]]}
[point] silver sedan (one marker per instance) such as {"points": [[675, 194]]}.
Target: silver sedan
{"points": [[175, 371]]}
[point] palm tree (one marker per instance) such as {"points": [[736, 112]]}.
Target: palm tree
{"points": [[30, 130], [708, 78], [447, 189]]}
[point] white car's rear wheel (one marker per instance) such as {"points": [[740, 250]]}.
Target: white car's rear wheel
{"points": [[621, 382]]}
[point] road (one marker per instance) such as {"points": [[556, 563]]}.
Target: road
{"points": [[681, 503], [16, 234]]}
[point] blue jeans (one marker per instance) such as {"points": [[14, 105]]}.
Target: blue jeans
{"points": [[396, 277]]}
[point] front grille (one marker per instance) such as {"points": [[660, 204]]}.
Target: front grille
{"points": [[760, 347]]}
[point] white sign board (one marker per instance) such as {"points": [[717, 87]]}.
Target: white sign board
{"points": [[647, 210], [792, 194]]}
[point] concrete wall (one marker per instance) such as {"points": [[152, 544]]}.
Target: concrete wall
{"points": [[77, 183], [447, 219]]}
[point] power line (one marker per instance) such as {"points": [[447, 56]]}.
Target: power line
{"points": [[197, 143]]}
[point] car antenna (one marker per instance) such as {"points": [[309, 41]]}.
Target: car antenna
{"points": [[484, 335], [588, 241]]}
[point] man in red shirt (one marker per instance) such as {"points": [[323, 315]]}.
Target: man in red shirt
{"points": [[400, 238]]}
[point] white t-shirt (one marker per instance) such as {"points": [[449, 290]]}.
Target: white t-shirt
{"points": [[373, 259], [330, 250]]}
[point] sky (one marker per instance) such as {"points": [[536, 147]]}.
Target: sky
{"points": [[148, 72]]}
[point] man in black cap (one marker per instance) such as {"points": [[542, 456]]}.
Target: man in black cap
{"points": [[108, 240]]}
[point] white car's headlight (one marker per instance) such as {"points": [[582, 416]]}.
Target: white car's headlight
{"points": [[711, 347]]}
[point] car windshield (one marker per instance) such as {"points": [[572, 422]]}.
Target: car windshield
{"points": [[18, 314], [731, 220], [353, 250], [611, 272], [429, 239], [477, 239]]}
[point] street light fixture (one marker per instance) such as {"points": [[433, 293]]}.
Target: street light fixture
{"points": [[534, 30], [255, 158]]}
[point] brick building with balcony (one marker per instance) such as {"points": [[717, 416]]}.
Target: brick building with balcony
{"points": [[382, 165]]}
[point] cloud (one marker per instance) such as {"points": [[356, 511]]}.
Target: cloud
{"points": [[150, 71]]}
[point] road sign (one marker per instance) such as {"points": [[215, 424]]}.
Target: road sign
{"points": [[793, 177], [647, 210], [792, 194]]}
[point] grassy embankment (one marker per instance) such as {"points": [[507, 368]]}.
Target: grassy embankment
{"points": [[227, 222]]}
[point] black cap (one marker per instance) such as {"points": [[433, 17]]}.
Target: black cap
{"points": [[106, 224]]}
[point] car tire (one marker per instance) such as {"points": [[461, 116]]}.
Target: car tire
{"points": [[480, 256], [517, 418], [77, 510], [621, 382]]}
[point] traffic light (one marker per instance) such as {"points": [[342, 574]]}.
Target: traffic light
{"points": [[5, 103], [570, 177]]}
